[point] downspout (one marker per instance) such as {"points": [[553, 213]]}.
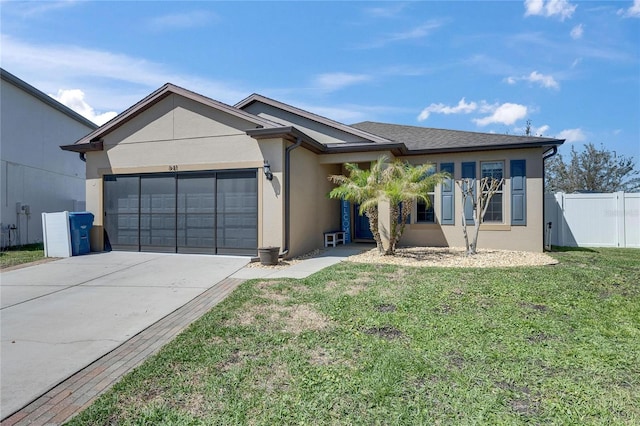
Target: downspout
{"points": [[545, 155], [287, 193], [83, 157]]}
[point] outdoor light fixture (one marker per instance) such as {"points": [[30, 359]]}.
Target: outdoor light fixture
{"points": [[267, 170]]}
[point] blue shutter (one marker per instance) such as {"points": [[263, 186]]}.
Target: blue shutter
{"points": [[518, 192], [447, 200], [469, 171]]}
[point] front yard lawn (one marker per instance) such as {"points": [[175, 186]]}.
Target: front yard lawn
{"points": [[370, 344]]}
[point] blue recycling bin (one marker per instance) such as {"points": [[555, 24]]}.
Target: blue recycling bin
{"points": [[80, 223]]}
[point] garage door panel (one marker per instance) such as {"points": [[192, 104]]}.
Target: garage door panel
{"points": [[207, 212]]}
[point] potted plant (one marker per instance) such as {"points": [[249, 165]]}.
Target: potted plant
{"points": [[269, 255]]}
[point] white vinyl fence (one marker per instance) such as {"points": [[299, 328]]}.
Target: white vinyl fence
{"points": [[593, 220]]}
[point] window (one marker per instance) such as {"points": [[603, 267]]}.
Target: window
{"points": [[426, 214], [494, 169]]}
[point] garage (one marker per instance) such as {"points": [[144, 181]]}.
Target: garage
{"points": [[209, 212]]}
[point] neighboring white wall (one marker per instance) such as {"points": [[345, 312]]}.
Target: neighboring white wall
{"points": [[34, 170], [594, 220]]}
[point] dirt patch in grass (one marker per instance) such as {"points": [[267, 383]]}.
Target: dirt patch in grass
{"points": [[294, 319], [268, 291], [534, 306], [354, 290], [365, 278], [386, 307], [304, 318], [386, 332]]}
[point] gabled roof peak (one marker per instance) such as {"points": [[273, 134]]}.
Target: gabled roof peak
{"points": [[155, 97], [255, 97]]}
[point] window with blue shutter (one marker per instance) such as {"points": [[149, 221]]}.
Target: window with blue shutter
{"points": [[469, 172], [518, 192], [447, 196]]}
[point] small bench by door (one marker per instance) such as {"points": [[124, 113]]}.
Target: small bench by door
{"points": [[333, 238]]}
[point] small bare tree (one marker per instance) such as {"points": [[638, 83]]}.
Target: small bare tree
{"points": [[480, 202]]}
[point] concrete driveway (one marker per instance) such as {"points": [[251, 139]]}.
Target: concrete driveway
{"points": [[58, 317]]}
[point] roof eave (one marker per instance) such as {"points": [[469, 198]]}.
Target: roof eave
{"points": [[84, 147], [548, 143], [394, 148], [289, 133]]}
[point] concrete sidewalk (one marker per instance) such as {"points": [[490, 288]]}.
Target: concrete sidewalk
{"points": [[330, 256]]}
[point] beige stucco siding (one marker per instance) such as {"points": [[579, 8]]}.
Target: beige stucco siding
{"points": [[312, 212], [177, 134], [271, 196], [317, 131], [495, 235]]}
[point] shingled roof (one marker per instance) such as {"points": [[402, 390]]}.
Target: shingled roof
{"points": [[428, 140]]}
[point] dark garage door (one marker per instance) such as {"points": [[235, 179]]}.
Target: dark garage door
{"points": [[204, 212]]}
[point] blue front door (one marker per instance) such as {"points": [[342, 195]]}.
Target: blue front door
{"points": [[361, 228]]}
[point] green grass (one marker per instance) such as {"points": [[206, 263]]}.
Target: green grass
{"points": [[367, 344], [22, 254]]}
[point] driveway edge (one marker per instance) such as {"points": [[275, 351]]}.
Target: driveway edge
{"points": [[78, 391]]}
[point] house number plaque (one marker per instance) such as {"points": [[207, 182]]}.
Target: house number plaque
{"points": [[173, 168]]}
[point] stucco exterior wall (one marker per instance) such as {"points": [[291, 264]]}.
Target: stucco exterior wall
{"points": [[177, 134], [34, 170], [312, 212], [317, 131], [494, 235]]}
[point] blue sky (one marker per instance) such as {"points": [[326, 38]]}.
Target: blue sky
{"points": [[572, 68]]}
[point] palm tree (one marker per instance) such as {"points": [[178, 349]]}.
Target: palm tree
{"points": [[362, 187], [403, 184], [399, 182]]}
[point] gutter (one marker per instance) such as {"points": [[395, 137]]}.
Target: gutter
{"points": [[287, 194], [545, 156]]}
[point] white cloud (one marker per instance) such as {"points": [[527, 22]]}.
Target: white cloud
{"points": [[462, 108], [533, 7], [545, 81], [74, 99], [572, 135], [27, 9], [418, 32], [506, 113], [542, 130], [130, 78], [560, 8], [632, 12], [196, 18], [387, 11], [338, 80], [577, 32], [534, 131]]}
